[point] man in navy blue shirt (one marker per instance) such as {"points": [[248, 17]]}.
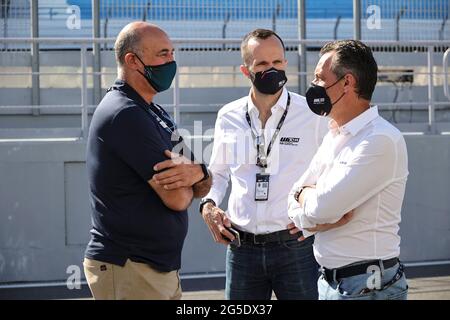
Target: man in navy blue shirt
{"points": [[139, 213]]}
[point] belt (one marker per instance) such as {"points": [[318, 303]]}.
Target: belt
{"points": [[354, 270], [278, 236]]}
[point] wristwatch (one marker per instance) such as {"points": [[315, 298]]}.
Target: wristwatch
{"points": [[205, 172], [205, 201]]}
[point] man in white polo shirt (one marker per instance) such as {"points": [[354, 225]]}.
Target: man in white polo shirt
{"points": [[263, 142], [358, 176]]}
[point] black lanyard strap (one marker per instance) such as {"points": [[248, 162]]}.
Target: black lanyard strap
{"points": [[167, 124], [154, 109], [165, 121], [261, 161]]}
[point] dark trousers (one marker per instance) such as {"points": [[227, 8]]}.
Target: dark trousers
{"points": [[287, 268]]}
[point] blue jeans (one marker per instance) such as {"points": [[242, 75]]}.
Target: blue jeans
{"points": [[350, 288], [287, 268]]}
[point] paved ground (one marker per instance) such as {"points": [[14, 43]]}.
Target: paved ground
{"points": [[436, 288]]}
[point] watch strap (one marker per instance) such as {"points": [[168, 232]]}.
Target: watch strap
{"points": [[205, 201]]}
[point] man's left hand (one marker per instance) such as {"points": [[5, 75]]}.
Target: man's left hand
{"points": [[179, 172]]}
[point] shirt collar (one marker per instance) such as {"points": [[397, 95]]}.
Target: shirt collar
{"points": [[121, 85], [356, 124], [281, 102], [333, 127]]}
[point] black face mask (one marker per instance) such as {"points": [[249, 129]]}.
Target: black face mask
{"points": [[318, 100], [161, 76], [269, 81]]}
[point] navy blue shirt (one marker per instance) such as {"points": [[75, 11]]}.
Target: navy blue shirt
{"points": [[129, 219]]}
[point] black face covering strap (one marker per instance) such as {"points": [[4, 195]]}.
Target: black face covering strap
{"points": [[335, 82], [333, 103], [142, 64], [139, 59], [142, 74], [343, 93]]}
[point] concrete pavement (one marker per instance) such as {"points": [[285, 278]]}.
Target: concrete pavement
{"points": [[433, 288]]}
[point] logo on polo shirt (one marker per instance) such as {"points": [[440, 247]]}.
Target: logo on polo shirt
{"points": [[289, 141]]}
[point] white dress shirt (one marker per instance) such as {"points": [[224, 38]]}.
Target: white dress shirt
{"points": [[362, 165], [234, 156]]}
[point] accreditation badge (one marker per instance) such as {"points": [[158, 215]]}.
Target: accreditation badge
{"points": [[262, 187]]}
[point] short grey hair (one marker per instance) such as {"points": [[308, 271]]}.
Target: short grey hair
{"points": [[127, 41]]}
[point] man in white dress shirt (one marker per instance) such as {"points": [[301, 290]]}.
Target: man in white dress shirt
{"points": [[263, 142], [358, 176]]}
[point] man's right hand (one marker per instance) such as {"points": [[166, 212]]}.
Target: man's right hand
{"points": [[216, 220]]}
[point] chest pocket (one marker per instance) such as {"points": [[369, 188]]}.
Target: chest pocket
{"points": [[344, 157], [337, 168]]}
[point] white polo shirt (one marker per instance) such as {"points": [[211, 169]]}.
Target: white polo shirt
{"points": [[234, 157], [362, 165]]}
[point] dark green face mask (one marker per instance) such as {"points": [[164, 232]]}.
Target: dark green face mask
{"points": [[161, 76]]}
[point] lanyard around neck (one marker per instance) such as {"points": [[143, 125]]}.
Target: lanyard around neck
{"points": [[261, 160], [169, 128], [153, 109]]}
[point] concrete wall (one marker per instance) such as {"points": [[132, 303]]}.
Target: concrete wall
{"points": [[44, 209], [45, 215]]}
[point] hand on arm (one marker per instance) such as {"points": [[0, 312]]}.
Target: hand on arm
{"points": [[181, 172], [319, 227], [178, 172], [368, 170], [178, 199]]}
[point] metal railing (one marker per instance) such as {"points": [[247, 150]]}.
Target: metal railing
{"points": [[408, 19], [84, 43], [399, 19]]}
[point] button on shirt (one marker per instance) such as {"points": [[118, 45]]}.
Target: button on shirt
{"points": [[234, 157], [362, 165]]}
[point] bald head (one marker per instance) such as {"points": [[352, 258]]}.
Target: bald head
{"points": [[132, 37]]}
